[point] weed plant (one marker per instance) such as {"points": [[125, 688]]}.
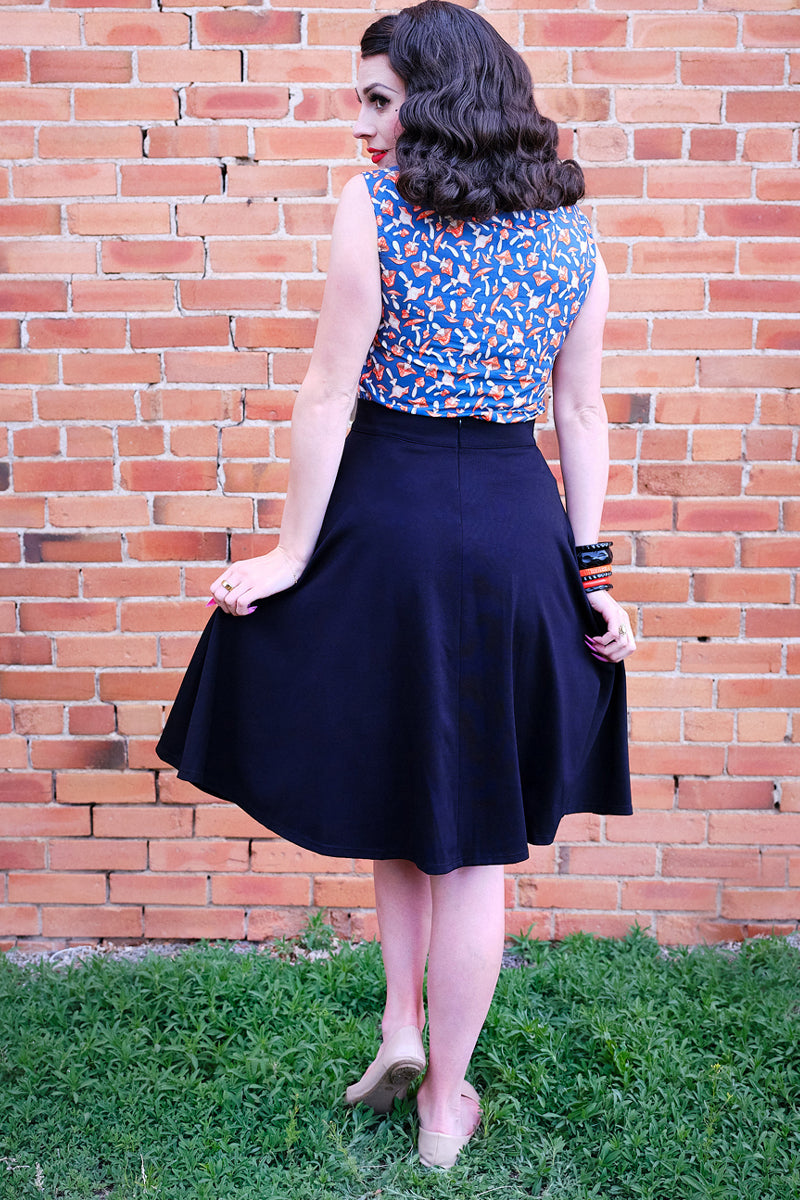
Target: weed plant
{"points": [[607, 1070]]}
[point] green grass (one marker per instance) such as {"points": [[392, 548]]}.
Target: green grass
{"points": [[606, 1068]]}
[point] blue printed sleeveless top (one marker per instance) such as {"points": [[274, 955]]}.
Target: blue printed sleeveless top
{"points": [[474, 313]]}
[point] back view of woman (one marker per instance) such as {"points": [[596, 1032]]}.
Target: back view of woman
{"points": [[430, 675]]}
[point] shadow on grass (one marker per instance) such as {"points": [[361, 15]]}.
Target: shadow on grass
{"points": [[607, 1069]]}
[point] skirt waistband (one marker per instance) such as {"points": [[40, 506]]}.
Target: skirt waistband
{"points": [[457, 432]]}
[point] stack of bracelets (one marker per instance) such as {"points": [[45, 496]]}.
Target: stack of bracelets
{"points": [[595, 561]]}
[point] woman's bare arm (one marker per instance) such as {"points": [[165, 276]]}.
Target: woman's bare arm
{"points": [[582, 429], [349, 318]]}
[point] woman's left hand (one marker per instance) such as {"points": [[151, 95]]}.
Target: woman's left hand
{"points": [[618, 642], [251, 579]]}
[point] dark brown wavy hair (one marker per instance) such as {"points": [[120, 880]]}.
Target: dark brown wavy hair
{"points": [[473, 142]]}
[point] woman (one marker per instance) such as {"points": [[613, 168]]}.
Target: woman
{"points": [[430, 675]]}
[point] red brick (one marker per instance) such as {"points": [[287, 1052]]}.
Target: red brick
{"points": [[157, 889], [678, 106], [75, 332], [761, 726], [749, 220], [575, 29], [26, 651], [243, 101], [600, 924], [155, 179], [136, 29], [343, 892], [179, 331], [731, 658], [313, 142], [67, 614], [743, 586], [729, 68], [90, 718], [706, 408], [99, 651], [771, 552], [138, 617], [140, 295], [288, 180], [657, 143], [117, 142], [667, 30], [80, 66], [41, 29], [21, 856], [149, 821], [12, 65], [25, 220], [47, 685], [154, 545], [230, 295], [177, 922], [741, 866], [778, 335], [214, 367], [276, 855], [34, 257], [670, 895], [226, 821], [615, 861], [102, 921], [197, 141], [60, 888], [20, 920], [118, 217], [210, 511], [68, 179], [567, 892], [102, 787], [45, 820], [760, 905], [280, 332], [25, 788], [666, 827], [727, 515], [114, 511], [121, 257], [37, 103], [262, 255], [33, 296], [126, 104], [767, 145], [251, 890], [190, 66], [199, 855], [690, 480], [97, 854], [623, 66], [247, 28]]}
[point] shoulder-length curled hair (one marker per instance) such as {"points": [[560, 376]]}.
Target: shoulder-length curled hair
{"points": [[473, 141]]}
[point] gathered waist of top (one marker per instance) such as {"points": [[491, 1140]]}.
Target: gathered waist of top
{"points": [[454, 431]]}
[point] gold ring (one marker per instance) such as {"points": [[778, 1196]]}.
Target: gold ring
{"points": [[228, 586], [622, 631]]}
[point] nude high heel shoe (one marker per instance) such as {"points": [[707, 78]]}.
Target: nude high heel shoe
{"points": [[442, 1149], [399, 1060]]}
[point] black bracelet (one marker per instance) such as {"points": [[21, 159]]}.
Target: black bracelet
{"points": [[594, 561]]}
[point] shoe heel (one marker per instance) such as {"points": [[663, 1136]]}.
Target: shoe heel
{"points": [[438, 1149]]}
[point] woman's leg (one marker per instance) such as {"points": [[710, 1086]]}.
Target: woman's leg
{"points": [[403, 902], [466, 950]]}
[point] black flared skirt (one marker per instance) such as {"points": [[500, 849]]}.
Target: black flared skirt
{"points": [[424, 691]]}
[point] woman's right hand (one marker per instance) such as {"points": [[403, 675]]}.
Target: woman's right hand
{"points": [[242, 583], [618, 642]]}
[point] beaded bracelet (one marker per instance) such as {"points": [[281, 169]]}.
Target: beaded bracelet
{"points": [[594, 561]]}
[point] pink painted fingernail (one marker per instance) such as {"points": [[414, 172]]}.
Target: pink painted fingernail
{"points": [[211, 603], [249, 610]]}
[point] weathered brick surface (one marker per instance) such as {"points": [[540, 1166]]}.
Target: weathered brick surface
{"points": [[168, 176]]}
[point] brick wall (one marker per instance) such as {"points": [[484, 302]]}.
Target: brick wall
{"points": [[168, 174]]}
